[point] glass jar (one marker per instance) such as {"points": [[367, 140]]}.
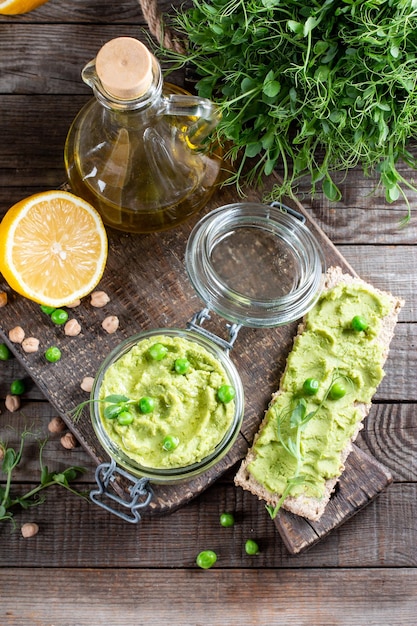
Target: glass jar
{"points": [[175, 474], [255, 265], [137, 151]]}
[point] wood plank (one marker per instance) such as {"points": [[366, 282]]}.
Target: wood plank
{"points": [[93, 12], [58, 54], [389, 435], [76, 533], [189, 598]]}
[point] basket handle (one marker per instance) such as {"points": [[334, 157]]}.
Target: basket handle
{"points": [[158, 28]]}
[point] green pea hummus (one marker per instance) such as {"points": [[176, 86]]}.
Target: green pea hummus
{"points": [[328, 350], [185, 405]]}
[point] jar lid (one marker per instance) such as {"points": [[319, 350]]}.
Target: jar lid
{"points": [[256, 265]]}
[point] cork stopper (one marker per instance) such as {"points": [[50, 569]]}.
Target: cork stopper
{"points": [[124, 67]]}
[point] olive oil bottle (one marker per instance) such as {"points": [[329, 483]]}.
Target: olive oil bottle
{"points": [[136, 151]]}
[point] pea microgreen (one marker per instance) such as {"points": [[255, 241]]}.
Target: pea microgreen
{"points": [[118, 407], [298, 418], [317, 88], [11, 459]]}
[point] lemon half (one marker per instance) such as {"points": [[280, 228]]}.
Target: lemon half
{"points": [[53, 248]]}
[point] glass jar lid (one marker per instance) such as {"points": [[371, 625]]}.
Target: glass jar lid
{"points": [[255, 264]]}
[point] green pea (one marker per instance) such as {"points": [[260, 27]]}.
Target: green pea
{"points": [[251, 547], [113, 410], [206, 559], [225, 394], [337, 391], [59, 316], [53, 354], [158, 351], [227, 520], [5, 353], [47, 309], [359, 323], [17, 387], [125, 418], [170, 443], [311, 386], [146, 405], [182, 365]]}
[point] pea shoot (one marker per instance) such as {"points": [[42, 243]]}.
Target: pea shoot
{"points": [[298, 416], [206, 559], [170, 443], [158, 351], [227, 520], [251, 547], [117, 407], [312, 83], [10, 500], [359, 323], [5, 353], [53, 354], [225, 394]]}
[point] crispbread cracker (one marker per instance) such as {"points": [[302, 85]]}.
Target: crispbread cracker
{"points": [[309, 507]]}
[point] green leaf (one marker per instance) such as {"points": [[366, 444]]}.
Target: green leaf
{"points": [[248, 84], [46, 477], [271, 89], [331, 191], [112, 411], [309, 25], [320, 47], [296, 27], [395, 51], [253, 149], [60, 478], [322, 73], [267, 140], [298, 413], [269, 166], [392, 193], [115, 398], [9, 460]]}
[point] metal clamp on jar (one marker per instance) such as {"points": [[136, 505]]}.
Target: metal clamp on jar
{"points": [[255, 265]]}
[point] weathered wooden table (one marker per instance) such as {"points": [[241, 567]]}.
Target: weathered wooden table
{"points": [[86, 566]]}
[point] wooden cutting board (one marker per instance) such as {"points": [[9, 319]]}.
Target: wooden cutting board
{"points": [[146, 281]]}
